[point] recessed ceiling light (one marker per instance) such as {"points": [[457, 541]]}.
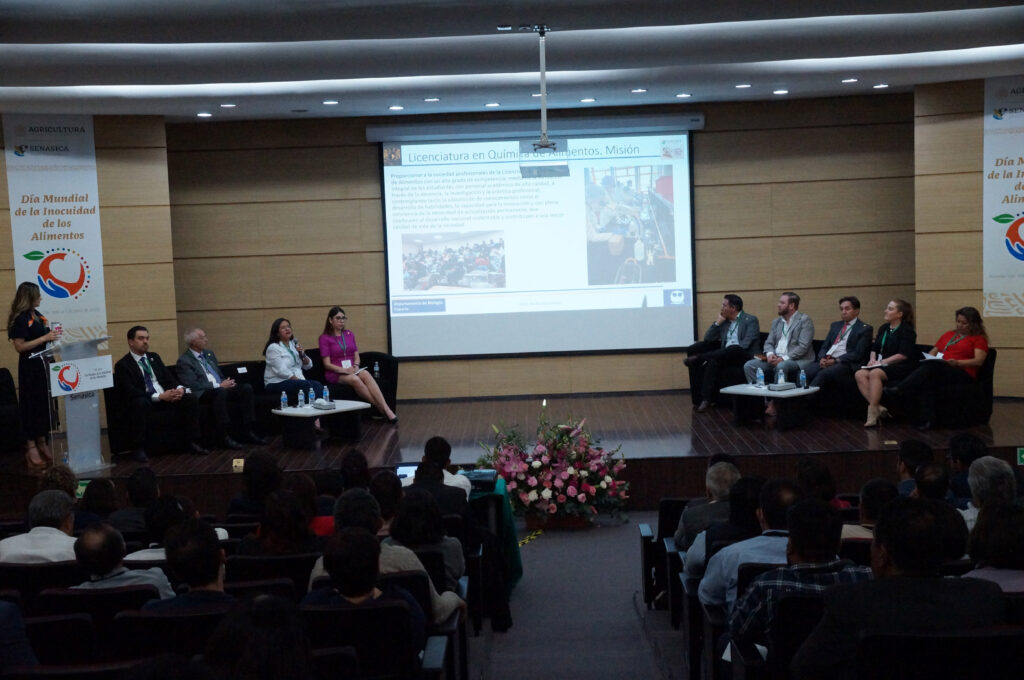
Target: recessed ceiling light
{"points": [[535, 94], [742, 86], [492, 105], [228, 106], [329, 102], [638, 90], [849, 80], [204, 114], [780, 91], [395, 107], [504, 27], [880, 86], [587, 100], [683, 95], [433, 99]]}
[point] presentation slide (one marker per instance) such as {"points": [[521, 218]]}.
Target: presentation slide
{"points": [[494, 248]]}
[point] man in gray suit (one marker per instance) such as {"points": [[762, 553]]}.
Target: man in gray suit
{"points": [[730, 341], [789, 346], [198, 370]]}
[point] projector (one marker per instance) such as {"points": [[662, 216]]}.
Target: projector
{"points": [[533, 163]]}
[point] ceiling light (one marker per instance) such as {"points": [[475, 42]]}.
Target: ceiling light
{"points": [[638, 90], [329, 102], [587, 100], [436, 99], [849, 80], [780, 91], [880, 86], [742, 86], [228, 106], [504, 27], [535, 94], [204, 114], [683, 95], [492, 105], [395, 107]]}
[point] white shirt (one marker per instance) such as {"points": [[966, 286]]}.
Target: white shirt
{"points": [[202, 362], [838, 348], [458, 481], [42, 544], [156, 384]]}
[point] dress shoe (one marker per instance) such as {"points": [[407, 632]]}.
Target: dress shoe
{"points": [[254, 438], [704, 406], [692, 360], [197, 448], [139, 456], [393, 420], [229, 443]]}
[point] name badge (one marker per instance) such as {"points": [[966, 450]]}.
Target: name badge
{"points": [[346, 363]]}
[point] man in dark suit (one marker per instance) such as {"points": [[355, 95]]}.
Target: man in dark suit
{"points": [[199, 371], [908, 595], [846, 347], [145, 385], [731, 340]]}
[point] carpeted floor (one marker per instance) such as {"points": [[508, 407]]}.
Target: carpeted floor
{"points": [[578, 613]]}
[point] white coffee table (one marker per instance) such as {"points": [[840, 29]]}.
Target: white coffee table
{"points": [[790, 409], [297, 427]]}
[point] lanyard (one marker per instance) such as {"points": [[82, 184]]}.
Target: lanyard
{"points": [[892, 329], [734, 329], [785, 328], [295, 357], [952, 341], [341, 343]]}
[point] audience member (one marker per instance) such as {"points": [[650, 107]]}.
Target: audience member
{"points": [[162, 514], [991, 480], [304, 488], [329, 485], [100, 549], [814, 530], [964, 449], [15, 649], [997, 546], [744, 497], [195, 556], [284, 529], [954, 532], [931, 480], [718, 479], [905, 596], [913, 452], [260, 476], [99, 498], [355, 470], [386, 487], [817, 481], [50, 520], [418, 524], [430, 478], [260, 639], [352, 559], [718, 587], [438, 451], [61, 478], [143, 489], [873, 495]]}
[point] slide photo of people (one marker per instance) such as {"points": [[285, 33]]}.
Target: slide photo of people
{"points": [[630, 225], [452, 260]]}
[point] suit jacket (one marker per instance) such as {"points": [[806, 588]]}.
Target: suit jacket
{"points": [[192, 373], [858, 343], [748, 335], [907, 604], [801, 337], [128, 380]]}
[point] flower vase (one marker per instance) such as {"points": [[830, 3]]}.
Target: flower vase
{"points": [[561, 522]]}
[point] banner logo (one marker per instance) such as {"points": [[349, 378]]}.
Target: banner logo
{"points": [[67, 377], [1014, 238], [64, 260]]}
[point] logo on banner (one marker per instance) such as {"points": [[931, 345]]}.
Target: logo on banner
{"points": [[20, 150], [62, 272], [1014, 237], [68, 377]]}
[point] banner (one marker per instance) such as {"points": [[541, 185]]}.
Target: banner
{"points": [[80, 375], [55, 218], [1003, 197]]}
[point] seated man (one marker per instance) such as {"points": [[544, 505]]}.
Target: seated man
{"points": [[964, 449], [873, 495], [100, 549], [142, 488], [145, 385], [845, 348], [352, 558], [450, 500], [51, 520], [195, 556], [199, 371], [162, 514], [439, 451], [813, 566], [718, 587], [789, 346], [991, 480], [905, 596], [718, 479], [730, 341], [913, 452]]}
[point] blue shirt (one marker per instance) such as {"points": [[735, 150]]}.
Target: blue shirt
{"points": [[718, 587]]}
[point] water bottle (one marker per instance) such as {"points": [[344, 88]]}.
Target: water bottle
{"points": [[327, 395], [376, 370], [284, 400], [760, 377], [803, 379], [302, 399], [782, 376], [312, 396]]}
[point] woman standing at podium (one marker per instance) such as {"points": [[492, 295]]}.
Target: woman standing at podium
{"points": [[29, 332], [341, 363]]}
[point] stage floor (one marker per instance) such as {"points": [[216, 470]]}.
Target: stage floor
{"points": [[664, 441]]}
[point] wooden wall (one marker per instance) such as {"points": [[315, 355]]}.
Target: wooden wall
{"points": [[948, 150], [284, 218]]}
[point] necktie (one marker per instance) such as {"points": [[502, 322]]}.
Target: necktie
{"points": [[840, 336], [147, 374], [209, 367]]}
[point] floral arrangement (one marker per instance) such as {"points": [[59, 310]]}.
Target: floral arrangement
{"points": [[564, 474]]}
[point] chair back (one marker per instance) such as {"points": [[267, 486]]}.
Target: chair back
{"points": [[142, 634], [29, 579], [795, 616], [670, 509], [240, 529], [987, 654], [114, 670], [62, 639], [246, 590], [857, 550], [336, 663], [101, 603], [379, 632], [257, 567], [417, 583], [433, 561]]}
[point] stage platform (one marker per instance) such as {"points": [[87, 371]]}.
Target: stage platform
{"points": [[665, 443]]}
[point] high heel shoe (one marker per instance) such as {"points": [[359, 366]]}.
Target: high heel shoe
{"points": [[873, 413], [883, 413], [34, 462], [393, 419]]}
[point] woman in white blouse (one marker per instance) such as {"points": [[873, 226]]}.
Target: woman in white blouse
{"points": [[285, 361]]}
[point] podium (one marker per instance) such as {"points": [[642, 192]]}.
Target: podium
{"points": [[77, 377]]}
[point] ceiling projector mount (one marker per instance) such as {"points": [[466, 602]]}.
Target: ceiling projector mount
{"points": [[542, 144]]}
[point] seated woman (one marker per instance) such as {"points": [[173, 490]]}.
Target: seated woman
{"points": [[341, 363], [893, 357], [285, 361], [959, 354], [418, 524], [284, 529]]}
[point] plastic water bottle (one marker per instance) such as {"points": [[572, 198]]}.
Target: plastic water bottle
{"points": [[782, 377], [327, 395], [803, 379], [376, 370], [284, 400], [760, 377], [302, 399], [312, 396]]}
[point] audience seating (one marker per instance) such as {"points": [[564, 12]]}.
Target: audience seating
{"points": [[989, 654], [857, 550], [278, 587], [29, 579], [101, 604], [63, 638], [473, 550], [795, 616], [142, 634], [255, 567], [239, 529], [652, 549], [336, 663], [88, 671]]}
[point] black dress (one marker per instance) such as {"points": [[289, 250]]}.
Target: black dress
{"points": [[32, 377], [899, 340]]}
